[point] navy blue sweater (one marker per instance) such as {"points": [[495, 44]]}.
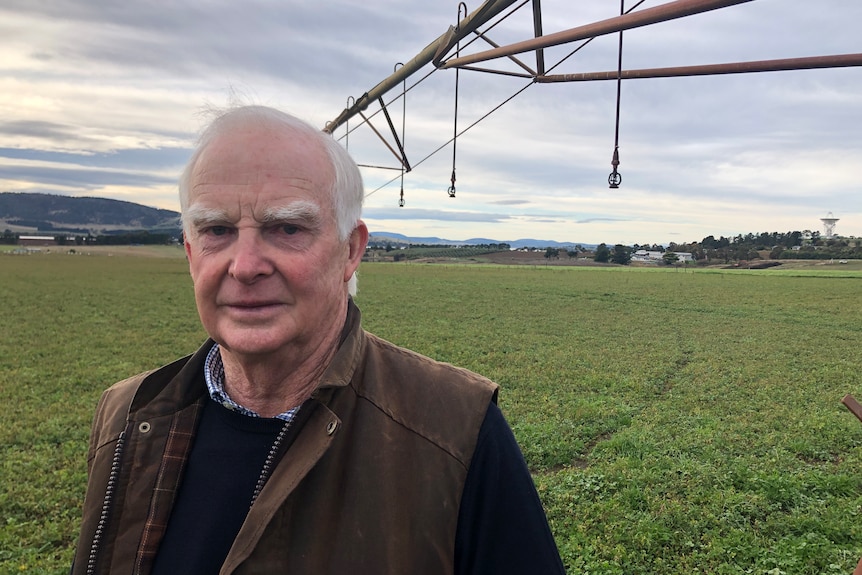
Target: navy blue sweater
{"points": [[501, 528]]}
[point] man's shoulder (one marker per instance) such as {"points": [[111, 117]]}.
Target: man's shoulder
{"points": [[128, 387], [422, 372], [116, 401], [130, 384], [443, 403]]}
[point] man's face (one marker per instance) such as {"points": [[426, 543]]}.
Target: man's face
{"points": [[268, 268]]}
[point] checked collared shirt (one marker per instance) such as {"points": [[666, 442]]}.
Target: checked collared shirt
{"points": [[214, 376]]}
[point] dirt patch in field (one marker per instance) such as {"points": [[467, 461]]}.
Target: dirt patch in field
{"points": [[154, 251], [535, 259]]}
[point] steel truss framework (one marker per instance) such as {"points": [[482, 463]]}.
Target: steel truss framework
{"points": [[444, 53]]}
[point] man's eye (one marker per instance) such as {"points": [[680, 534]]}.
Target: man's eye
{"points": [[289, 229], [218, 230]]}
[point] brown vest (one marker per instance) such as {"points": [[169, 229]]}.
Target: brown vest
{"points": [[371, 484]]}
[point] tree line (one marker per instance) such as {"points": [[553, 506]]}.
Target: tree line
{"points": [[767, 245]]}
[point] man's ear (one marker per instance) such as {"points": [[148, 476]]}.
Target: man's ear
{"points": [[356, 245]]}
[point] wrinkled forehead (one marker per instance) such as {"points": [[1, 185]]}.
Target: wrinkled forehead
{"points": [[263, 161]]}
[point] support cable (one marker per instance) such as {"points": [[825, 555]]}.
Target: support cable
{"points": [[828, 62], [583, 44], [464, 131], [489, 112], [368, 118]]}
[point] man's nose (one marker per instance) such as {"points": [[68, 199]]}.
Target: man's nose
{"points": [[250, 260]]}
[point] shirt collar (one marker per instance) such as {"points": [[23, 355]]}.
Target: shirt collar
{"points": [[214, 377]]}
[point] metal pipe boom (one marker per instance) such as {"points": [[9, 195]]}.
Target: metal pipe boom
{"points": [[435, 50], [837, 61], [662, 13]]}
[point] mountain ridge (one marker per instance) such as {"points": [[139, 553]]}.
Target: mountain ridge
{"points": [[50, 212], [25, 212], [394, 237]]}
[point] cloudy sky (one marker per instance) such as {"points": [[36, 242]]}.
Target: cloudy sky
{"points": [[104, 98]]}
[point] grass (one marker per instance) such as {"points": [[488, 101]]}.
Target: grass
{"points": [[675, 422]]}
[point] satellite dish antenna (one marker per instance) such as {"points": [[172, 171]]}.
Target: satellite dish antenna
{"points": [[829, 225]]}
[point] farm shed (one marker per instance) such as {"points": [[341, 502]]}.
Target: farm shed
{"points": [[36, 241]]}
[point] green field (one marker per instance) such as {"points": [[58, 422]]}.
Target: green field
{"points": [[675, 422]]}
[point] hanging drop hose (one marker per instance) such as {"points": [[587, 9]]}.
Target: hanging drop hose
{"points": [[403, 124], [615, 179], [451, 190], [347, 124]]}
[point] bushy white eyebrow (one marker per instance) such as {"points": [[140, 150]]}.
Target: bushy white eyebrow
{"points": [[299, 211], [199, 216], [303, 211]]}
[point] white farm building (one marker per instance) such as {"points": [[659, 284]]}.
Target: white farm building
{"points": [[646, 256]]}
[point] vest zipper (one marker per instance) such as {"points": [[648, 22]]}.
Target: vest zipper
{"points": [[270, 461], [106, 504]]}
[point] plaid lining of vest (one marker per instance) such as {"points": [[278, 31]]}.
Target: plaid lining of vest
{"points": [[179, 443]]}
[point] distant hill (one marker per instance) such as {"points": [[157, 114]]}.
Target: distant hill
{"points": [[395, 238], [29, 212], [46, 213]]}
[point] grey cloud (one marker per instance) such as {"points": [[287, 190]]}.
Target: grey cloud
{"points": [[301, 42], [84, 178], [39, 129], [423, 214], [593, 220], [510, 202], [131, 160]]}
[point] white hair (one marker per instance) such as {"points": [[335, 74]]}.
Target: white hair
{"points": [[346, 192]]}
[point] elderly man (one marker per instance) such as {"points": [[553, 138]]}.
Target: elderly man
{"points": [[293, 441]]}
